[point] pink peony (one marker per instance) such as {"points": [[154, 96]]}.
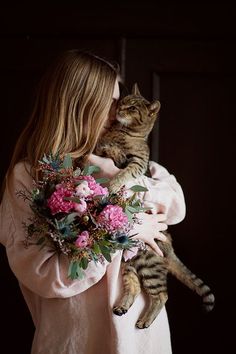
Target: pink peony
{"points": [[82, 240], [112, 218], [56, 202], [96, 188], [80, 207]]}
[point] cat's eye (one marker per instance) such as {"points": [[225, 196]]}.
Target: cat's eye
{"points": [[132, 108]]}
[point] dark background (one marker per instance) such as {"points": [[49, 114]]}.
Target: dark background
{"points": [[183, 54]]}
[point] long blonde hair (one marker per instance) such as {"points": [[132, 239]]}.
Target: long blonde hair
{"points": [[70, 110]]}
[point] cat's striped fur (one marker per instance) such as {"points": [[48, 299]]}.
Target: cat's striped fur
{"points": [[126, 143], [148, 271]]}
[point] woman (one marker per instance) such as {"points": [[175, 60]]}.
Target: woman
{"points": [[75, 103]]}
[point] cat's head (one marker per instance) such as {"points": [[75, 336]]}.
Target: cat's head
{"points": [[135, 112]]}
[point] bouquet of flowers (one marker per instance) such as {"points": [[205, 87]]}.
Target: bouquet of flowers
{"points": [[77, 216]]}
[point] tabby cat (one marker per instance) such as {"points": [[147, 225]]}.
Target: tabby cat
{"points": [[126, 143], [127, 140]]}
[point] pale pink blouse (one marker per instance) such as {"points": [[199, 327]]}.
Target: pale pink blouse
{"points": [[75, 317]]}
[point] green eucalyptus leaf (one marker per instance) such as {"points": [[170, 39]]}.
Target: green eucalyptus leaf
{"points": [[132, 210], [136, 203], [72, 270], [89, 170], [137, 188], [94, 256], [96, 248], [106, 253], [70, 218], [105, 243], [73, 199], [102, 180], [67, 162], [75, 271], [84, 263], [129, 214]]}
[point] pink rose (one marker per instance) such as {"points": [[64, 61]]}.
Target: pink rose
{"points": [[81, 207], [83, 190], [96, 188], [82, 240]]}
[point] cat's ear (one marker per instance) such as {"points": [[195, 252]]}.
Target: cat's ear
{"points": [[154, 108], [135, 90]]}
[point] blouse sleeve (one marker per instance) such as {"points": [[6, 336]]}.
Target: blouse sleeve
{"points": [[164, 194], [41, 270]]}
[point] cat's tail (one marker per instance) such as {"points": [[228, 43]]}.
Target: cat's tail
{"points": [[181, 272]]}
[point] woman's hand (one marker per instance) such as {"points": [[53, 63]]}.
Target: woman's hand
{"points": [[106, 165], [151, 224], [150, 229]]}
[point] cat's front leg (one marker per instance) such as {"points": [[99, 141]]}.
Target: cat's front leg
{"points": [[131, 289], [134, 170], [118, 182], [112, 151]]}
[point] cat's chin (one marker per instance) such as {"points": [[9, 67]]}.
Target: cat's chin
{"points": [[123, 120]]}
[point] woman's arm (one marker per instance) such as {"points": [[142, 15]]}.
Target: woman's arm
{"points": [[41, 270], [164, 196]]}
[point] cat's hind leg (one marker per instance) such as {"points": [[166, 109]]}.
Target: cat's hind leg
{"points": [[156, 304], [154, 283], [131, 289]]}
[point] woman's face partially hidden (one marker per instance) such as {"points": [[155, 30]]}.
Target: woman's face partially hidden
{"points": [[112, 112]]}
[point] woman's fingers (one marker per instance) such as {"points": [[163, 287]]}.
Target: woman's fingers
{"points": [[106, 165], [150, 229], [151, 218], [161, 237], [161, 217], [156, 248], [161, 226]]}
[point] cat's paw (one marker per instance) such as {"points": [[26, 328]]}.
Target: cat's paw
{"points": [[119, 310], [114, 187], [142, 324]]}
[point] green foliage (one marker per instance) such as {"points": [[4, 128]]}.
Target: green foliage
{"points": [[64, 225], [53, 161], [102, 180], [89, 170], [73, 199], [137, 188], [67, 163], [106, 252], [75, 271], [96, 248]]}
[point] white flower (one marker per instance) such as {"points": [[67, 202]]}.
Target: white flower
{"points": [[83, 190]]}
